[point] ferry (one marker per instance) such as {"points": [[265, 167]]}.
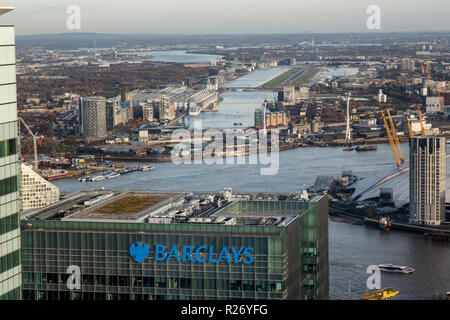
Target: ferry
{"points": [[395, 268], [147, 168], [384, 223]]}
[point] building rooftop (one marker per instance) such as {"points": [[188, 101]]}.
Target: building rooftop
{"points": [[4, 10], [226, 208]]}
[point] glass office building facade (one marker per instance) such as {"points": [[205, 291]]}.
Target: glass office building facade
{"points": [[10, 269], [290, 258]]}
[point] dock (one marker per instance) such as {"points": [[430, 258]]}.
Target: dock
{"points": [[431, 233]]}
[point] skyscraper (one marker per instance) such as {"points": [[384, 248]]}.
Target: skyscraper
{"points": [[427, 180], [10, 268], [93, 117]]}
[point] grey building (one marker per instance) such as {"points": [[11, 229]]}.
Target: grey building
{"points": [[141, 245], [427, 175], [113, 114], [93, 117], [10, 268], [148, 111]]}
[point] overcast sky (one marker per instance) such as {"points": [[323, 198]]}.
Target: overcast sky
{"points": [[226, 16]]}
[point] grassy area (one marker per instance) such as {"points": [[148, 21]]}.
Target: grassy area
{"points": [[282, 77], [307, 76], [131, 204]]}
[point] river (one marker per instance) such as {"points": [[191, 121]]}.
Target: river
{"points": [[352, 247]]}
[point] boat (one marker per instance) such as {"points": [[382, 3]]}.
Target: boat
{"points": [[112, 175], [366, 148], [395, 268], [147, 168], [85, 179], [237, 124], [51, 175], [381, 294], [98, 178], [384, 223], [347, 149]]}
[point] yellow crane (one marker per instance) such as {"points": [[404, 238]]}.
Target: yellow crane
{"points": [[391, 142], [409, 127], [422, 129], [397, 142]]}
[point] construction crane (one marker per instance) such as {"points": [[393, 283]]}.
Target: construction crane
{"points": [[409, 127], [422, 129], [397, 142], [35, 163], [391, 142]]}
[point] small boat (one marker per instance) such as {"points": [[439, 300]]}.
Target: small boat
{"points": [[98, 178], [147, 168], [395, 268], [385, 223], [366, 148], [112, 175], [347, 149], [85, 179], [237, 124], [382, 294]]}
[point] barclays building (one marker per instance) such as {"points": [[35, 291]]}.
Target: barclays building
{"points": [[130, 245]]}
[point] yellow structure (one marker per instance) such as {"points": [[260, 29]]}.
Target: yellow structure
{"points": [[391, 142], [409, 128], [382, 294], [422, 129], [397, 142]]}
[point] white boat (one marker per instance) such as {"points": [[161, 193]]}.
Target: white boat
{"points": [[112, 175], [98, 178], [147, 168], [395, 268]]}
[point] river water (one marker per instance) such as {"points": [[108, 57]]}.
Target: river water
{"points": [[178, 56], [352, 247]]}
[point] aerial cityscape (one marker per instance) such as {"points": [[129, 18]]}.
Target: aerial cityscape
{"points": [[179, 159]]}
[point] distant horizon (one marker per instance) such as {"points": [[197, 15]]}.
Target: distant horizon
{"points": [[226, 34]]}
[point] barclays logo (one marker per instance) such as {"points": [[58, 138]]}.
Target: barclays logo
{"points": [[139, 251]]}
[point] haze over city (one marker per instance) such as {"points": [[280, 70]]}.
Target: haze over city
{"points": [[227, 17], [243, 151]]}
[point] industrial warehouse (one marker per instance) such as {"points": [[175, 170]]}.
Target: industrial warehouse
{"points": [[130, 245]]}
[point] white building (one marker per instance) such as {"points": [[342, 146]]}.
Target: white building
{"points": [[427, 180], [10, 267], [381, 97], [434, 104], [35, 191]]}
